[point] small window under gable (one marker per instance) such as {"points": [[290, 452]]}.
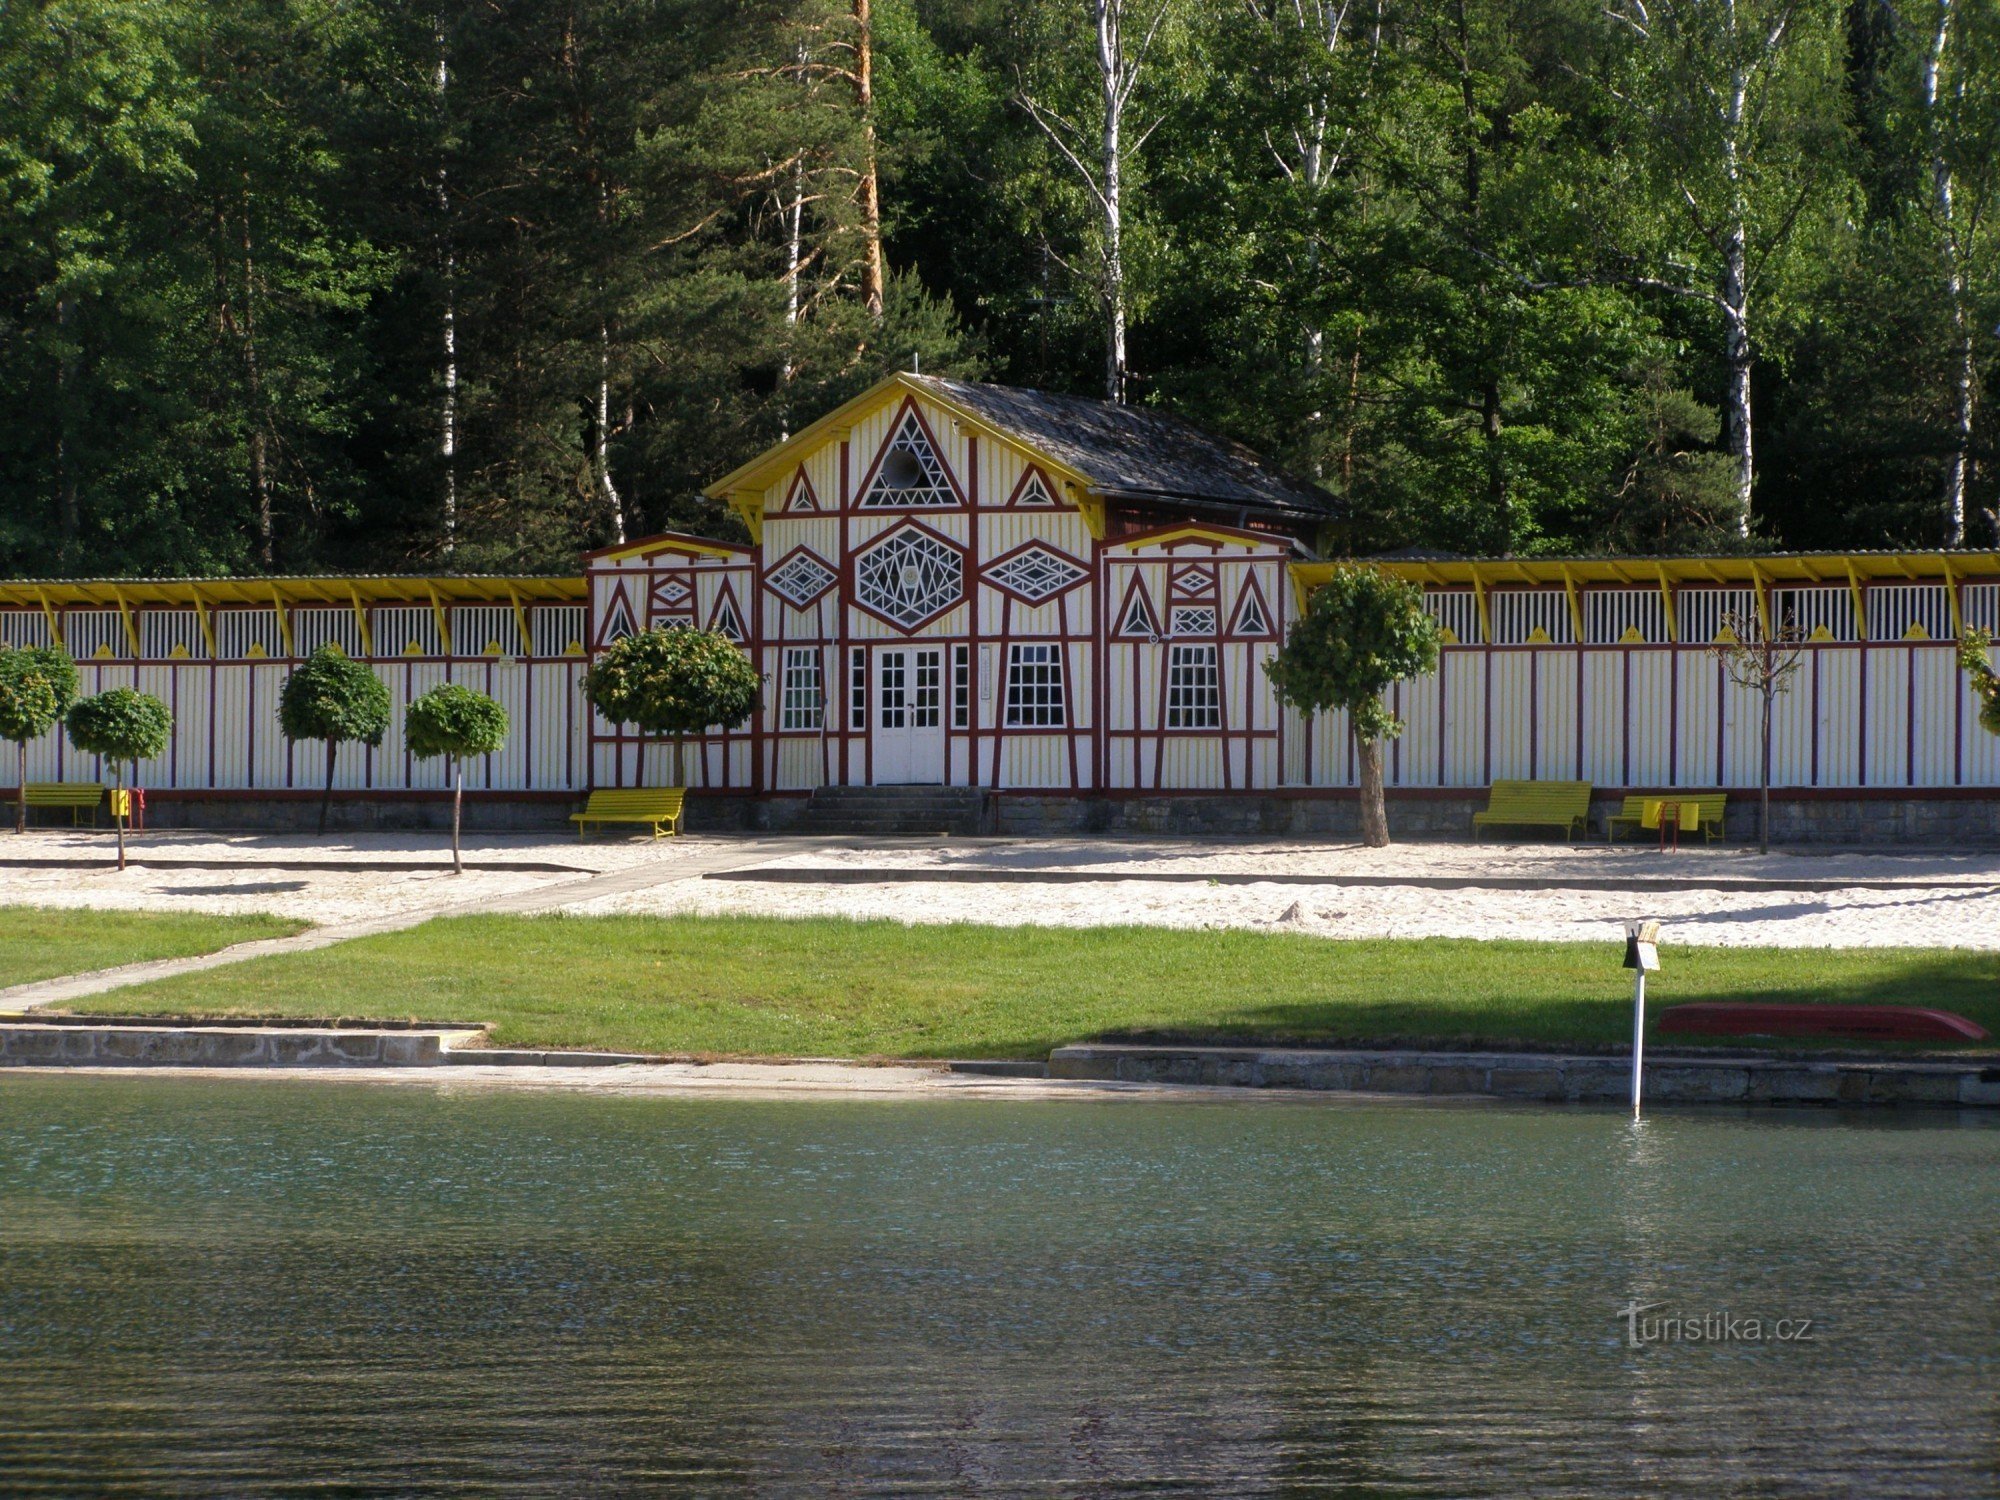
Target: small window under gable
{"points": [[800, 496], [1250, 618], [909, 472]]}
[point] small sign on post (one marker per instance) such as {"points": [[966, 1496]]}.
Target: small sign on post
{"points": [[1642, 957]]}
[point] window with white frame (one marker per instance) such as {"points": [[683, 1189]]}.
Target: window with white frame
{"points": [[857, 688], [961, 687], [1035, 687], [802, 698], [1194, 688], [1193, 619]]}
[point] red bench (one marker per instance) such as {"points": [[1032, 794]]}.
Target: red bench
{"points": [[1874, 1023]]}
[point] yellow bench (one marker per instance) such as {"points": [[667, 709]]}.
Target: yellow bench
{"points": [[656, 807], [1632, 814], [78, 796], [1523, 804]]}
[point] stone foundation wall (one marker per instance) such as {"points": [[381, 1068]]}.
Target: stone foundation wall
{"points": [[1884, 820]]}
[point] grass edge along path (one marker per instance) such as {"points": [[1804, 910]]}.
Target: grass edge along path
{"points": [[48, 942], [830, 987]]}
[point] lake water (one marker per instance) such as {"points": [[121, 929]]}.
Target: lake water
{"points": [[264, 1288]]}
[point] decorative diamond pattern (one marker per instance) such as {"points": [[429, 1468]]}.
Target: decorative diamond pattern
{"points": [[908, 577], [671, 592], [800, 579], [1035, 574]]}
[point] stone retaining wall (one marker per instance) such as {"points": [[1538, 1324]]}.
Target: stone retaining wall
{"points": [[32, 1044], [1574, 1080]]}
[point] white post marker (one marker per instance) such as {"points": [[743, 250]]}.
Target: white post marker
{"points": [[1642, 956]]}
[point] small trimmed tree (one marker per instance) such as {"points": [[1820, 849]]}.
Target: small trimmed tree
{"points": [[37, 686], [676, 682], [1764, 662], [1975, 660], [334, 698], [1362, 631], [121, 725], [454, 722]]}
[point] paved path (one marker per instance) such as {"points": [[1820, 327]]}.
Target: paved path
{"points": [[546, 898]]}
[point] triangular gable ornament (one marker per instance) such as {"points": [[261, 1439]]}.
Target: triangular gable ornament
{"points": [[1135, 616], [1033, 489], [801, 496], [724, 620], [1252, 617], [908, 473], [618, 619]]}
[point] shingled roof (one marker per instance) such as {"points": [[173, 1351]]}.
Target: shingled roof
{"points": [[1135, 454]]}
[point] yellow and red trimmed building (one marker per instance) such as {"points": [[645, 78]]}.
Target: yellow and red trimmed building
{"points": [[1069, 604]]}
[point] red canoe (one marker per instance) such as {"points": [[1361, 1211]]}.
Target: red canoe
{"points": [[1875, 1023]]}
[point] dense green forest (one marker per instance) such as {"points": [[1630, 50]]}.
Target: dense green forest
{"points": [[360, 284]]}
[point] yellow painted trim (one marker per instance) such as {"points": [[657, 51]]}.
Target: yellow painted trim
{"points": [[521, 624], [1763, 602], [55, 625], [443, 624], [759, 472], [1667, 604], [1090, 507], [1575, 606], [284, 621], [54, 595], [674, 542], [125, 615], [749, 505], [205, 618], [1951, 596], [1297, 573], [361, 622], [1485, 616], [1201, 533], [1860, 605]]}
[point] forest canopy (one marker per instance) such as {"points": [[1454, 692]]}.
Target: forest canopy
{"points": [[295, 285]]}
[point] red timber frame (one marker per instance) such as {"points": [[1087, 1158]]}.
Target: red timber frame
{"points": [[1191, 560], [733, 567]]}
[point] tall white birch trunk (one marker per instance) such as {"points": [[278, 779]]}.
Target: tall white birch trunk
{"points": [[601, 452], [1965, 368], [448, 267], [1739, 355], [1110, 67]]}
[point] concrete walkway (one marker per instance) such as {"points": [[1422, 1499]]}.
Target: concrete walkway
{"points": [[688, 865]]}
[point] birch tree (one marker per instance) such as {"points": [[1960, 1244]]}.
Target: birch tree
{"points": [[1733, 120], [1959, 115], [1099, 142]]}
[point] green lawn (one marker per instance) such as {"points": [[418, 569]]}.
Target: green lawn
{"points": [[40, 942], [831, 988]]}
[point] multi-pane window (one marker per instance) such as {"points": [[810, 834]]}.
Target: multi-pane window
{"points": [[1035, 687], [1194, 688], [857, 688], [961, 687], [1194, 619], [802, 701]]}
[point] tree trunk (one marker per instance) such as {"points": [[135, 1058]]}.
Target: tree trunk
{"points": [[118, 818], [448, 267], [680, 765], [1764, 778], [1110, 65], [457, 805], [1736, 296], [21, 791], [253, 385], [1374, 809], [1965, 359], [326, 796], [871, 191], [602, 452]]}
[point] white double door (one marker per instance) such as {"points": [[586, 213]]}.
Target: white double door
{"points": [[906, 717]]}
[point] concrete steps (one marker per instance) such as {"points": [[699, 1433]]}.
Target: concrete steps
{"points": [[959, 810]]}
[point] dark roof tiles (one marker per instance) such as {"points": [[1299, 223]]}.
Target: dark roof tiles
{"points": [[1134, 453]]}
